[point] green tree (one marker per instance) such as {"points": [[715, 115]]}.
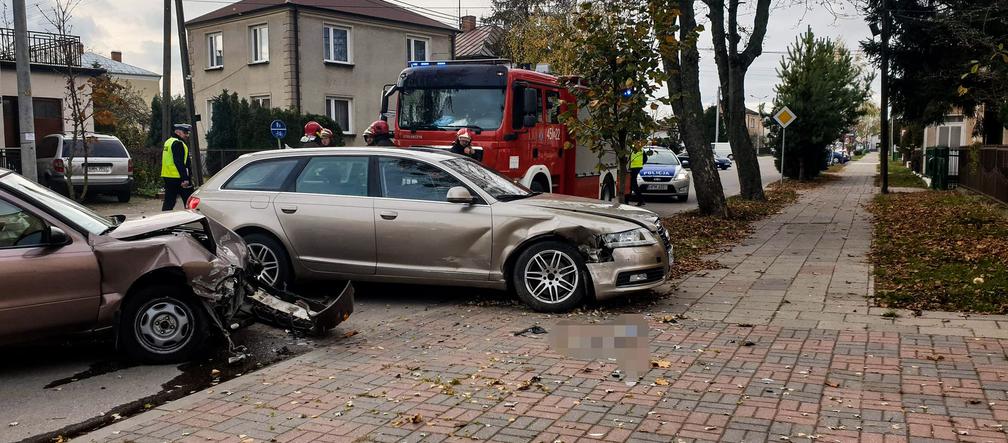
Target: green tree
{"points": [[676, 31], [179, 115], [619, 76], [821, 82], [946, 55], [710, 120]]}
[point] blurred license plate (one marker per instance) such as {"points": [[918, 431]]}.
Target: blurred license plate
{"points": [[658, 187], [99, 169]]}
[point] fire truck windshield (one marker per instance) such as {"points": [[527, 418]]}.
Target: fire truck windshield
{"points": [[451, 108]]}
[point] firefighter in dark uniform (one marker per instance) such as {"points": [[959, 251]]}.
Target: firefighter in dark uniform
{"points": [[175, 167], [378, 134]]}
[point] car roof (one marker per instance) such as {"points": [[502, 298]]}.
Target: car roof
{"points": [[426, 153], [86, 134]]}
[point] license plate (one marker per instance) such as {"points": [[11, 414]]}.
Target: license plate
{"points": [[99, 169], [657, 187]]}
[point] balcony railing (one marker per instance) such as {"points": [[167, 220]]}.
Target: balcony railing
{"points": [[44, 48]]}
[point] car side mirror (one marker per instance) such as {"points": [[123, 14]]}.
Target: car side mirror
{"points": [[459, 194], [57, 237], [118, 218]]}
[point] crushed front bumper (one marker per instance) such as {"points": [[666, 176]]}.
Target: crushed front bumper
{"points": [[630, 270]]}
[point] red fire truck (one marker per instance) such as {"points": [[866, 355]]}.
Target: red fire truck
{"points": [[514, 114]]}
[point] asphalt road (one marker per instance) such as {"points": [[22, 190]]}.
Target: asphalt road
{"points": [[729, 181]]}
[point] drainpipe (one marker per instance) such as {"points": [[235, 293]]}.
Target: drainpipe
{"points": [[297, 59]]}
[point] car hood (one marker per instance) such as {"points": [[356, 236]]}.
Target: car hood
{"points": [[633, 214], [659, 170], [154, 223]]}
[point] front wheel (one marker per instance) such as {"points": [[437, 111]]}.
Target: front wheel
{"points": [[550, 277], [162, 324]]}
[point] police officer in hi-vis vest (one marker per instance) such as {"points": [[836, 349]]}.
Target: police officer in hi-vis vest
{"points": [[175, 168]]}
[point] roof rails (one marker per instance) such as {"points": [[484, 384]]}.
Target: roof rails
{"points": [[488, 61]]}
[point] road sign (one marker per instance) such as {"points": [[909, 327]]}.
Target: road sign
{"points": [[278, 128], [784, 117]]}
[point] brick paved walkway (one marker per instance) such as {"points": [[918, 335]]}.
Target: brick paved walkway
{"points": [[779, 346]]}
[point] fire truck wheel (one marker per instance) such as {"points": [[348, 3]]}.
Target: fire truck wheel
{"points": [[550, 277]]}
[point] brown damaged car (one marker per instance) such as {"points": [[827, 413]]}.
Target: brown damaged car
{"points": [[164, 283]]}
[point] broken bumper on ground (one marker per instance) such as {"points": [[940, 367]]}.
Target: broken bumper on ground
{"points": [[300, 313]]}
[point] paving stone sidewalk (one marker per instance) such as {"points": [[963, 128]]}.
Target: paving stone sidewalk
{"points": [[779, 346]]}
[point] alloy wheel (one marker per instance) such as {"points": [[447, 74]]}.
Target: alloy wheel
{"points": [[551, 276], [270, 264]]}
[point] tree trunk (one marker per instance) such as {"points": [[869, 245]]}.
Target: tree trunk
{"points": [[681, 60], [746, 162]]}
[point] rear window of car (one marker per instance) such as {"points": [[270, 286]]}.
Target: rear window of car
{"points": [[267, 175], [105, 147]]}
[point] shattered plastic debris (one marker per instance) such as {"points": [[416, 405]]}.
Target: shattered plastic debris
{"points": [[531, 330]]}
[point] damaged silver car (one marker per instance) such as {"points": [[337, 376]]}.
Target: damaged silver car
{"points": [[431, 217], [165, 283]]}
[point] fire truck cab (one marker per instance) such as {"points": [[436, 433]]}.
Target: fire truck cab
{"points": [[514, 114]]}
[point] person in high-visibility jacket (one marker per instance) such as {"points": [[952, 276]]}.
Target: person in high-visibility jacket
{"points": [[175, 169], [637, 160]]}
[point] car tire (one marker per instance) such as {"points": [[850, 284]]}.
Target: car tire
{"points": [[608, 193], [273, 256], [162, 324], [123, 196], [682, 198], [550, 277]]}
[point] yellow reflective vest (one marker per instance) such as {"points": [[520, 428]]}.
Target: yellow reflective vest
{"points": [[168, 167], [637, 160]]}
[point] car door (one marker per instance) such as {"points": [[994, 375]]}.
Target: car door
{"points": [[45, 287], [421, 235], [328, 215]]}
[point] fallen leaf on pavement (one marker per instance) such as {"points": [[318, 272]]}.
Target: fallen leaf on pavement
{"points": [[661, 382], [663, 364]]}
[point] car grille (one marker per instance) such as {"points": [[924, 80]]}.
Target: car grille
{"points": [[658, 179], [653, 275]]}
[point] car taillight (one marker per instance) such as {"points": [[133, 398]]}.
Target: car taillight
{"points": [[129, 166], [58, 166], [192, 203]]}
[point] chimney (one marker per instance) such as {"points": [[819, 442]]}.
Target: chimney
{"points": [[468, 23], [117, 56]]}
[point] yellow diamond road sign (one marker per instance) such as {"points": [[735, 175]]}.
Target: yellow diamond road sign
{"points": [[785, 117]]}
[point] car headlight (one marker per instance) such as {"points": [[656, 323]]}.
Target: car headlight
{"points": [[626, 239], [682, 174]]}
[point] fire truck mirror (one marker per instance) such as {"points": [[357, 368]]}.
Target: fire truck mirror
{"points": [[529, 120], [530, 101]]}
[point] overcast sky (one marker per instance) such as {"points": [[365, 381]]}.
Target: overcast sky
{"points": [[134, 27]]}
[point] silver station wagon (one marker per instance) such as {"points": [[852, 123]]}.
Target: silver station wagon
{"points": [[426, 216]]}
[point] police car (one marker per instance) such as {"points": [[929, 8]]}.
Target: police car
{"points": [[663, 174]]}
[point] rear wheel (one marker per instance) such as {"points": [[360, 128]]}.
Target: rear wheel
{"points": [[123, 196], [162, 324], [273, 258], [550, 277]]}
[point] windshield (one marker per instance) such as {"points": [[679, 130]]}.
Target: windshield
{"points": [[437, 108], [490, 181], [57, 204], [662, 157]]}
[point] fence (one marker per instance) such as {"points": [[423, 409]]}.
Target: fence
{"points": [[985, 170], [10, 158]]}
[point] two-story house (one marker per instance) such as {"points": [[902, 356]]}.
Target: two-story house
{"points": [[315, 56]]}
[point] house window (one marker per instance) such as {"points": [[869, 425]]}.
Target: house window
{"points": [[337, 44], [262, 101], [416, 48], [340, 110], [259, 41], [215, 50]]}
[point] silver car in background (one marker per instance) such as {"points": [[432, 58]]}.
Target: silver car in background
{"points": [[429, 217], [664, 175], [109, 166]]}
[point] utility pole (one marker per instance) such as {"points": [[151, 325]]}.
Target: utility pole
{"points": [[717, 116], [166, 123], [885, 136], [26, 110], [197, 159]]}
